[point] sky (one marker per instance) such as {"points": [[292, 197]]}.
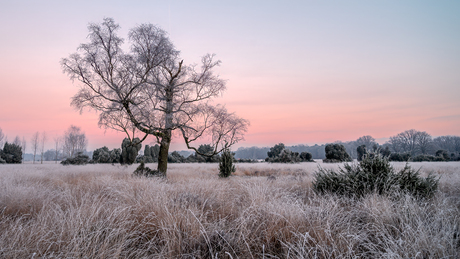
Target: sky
{"points": [[302, 72]]}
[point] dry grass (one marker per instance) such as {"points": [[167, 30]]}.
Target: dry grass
{"points": [[264, 211]]}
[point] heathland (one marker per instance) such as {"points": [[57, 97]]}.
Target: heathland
{"points": [[263, 211]]}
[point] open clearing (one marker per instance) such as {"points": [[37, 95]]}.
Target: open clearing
{"points": [[263, 211]]}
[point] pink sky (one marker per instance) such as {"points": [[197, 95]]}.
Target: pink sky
{"points": [[301, 73]]}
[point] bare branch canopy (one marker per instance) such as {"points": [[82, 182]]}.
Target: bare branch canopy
{"points": [[149, 89]]}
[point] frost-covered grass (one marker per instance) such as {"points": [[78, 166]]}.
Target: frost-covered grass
{"points": [[264, 210]]}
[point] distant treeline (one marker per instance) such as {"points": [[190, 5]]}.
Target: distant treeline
{"points": [[260, 153], [417, 145]]}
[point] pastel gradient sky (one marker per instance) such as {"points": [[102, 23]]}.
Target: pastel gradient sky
{"points": [[302, 72]]}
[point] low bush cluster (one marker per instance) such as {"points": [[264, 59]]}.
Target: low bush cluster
{"points": [[279, 154], [11, 154], [336, 153], [374, 174], [103, 155], [142, 170], [79, 159]]}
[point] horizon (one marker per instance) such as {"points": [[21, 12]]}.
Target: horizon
{"points": [[300, 72]]}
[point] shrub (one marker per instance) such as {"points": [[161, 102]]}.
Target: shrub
{"points": [[336, 153], [226, 166], [129, 150], [399, 157], [275, 151], [443, 154], [79, 159], [175, 157], [306, 157], [11, 153], [205, 149], [374, 174], [150, 154], [104, 155], [279, 154], [361, 150], [142, 170], [101, 155]]}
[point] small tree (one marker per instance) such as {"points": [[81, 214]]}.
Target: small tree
{"points": [[336, 153], [101, 155], [306, 157], [12, 153], [226, 166], [42, 146], [275, 151], [129, 150], [35, 143], [74, 141], [175, 157], [361, 150]]}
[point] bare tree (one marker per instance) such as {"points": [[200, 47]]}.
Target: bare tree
{"points": [[2, 138], [23, 146], [35, 143], [17, 141], [411, 141], [42, 146], [424, 142], [151, 89], [74, 141], [448, 143], [57, 147], [367, 140]]}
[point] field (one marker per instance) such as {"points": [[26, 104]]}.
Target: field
{"points": [[263, 211]]}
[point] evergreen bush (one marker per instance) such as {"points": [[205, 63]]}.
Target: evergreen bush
{"points": [[336, 153], [374, 174], [11, 153], [226, 166], [129, 150], [79, 159], [175, 157], [142, 170]]}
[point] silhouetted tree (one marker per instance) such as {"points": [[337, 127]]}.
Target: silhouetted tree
{"points": [[150, 88], [336, 153], [12, 153], [74, 141], [129, 150], [361, 150]]}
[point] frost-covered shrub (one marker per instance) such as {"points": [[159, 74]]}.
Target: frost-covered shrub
{"points": [[11, 153], [336, 153], [104, 155], [374, 174], [129, 150], [79, 159], [306, 157], [175, 157], [226, 166], [142, 170], [279, 154]]}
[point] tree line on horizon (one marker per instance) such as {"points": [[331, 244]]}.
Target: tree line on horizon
{"points": [[411, 144]]}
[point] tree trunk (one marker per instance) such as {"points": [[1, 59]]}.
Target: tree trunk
{"points": [[163, 155]]}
